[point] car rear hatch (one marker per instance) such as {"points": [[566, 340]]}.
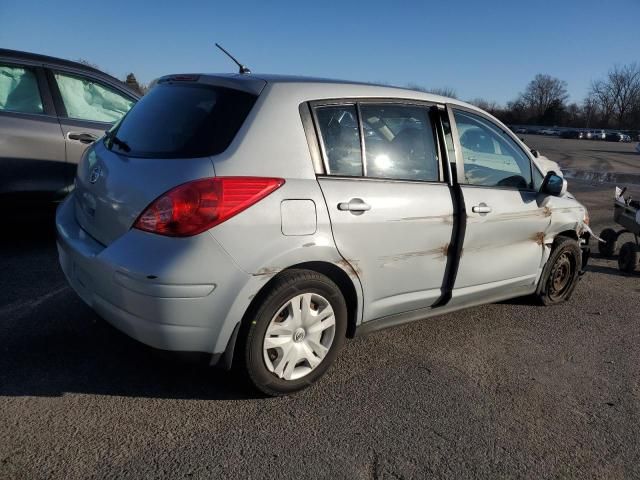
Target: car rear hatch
{"points": [[167, 139]]}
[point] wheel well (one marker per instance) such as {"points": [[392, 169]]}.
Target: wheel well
{"points": [[568, 233], [336, 274]]}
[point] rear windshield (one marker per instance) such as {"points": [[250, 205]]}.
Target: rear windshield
{"points": [[182, 120]]}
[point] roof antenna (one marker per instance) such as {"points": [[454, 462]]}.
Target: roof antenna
{"points": [[242, 69]]}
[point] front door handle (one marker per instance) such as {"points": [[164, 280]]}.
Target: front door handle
{"points": [[82, 137], [357, 206], [482, 208]]}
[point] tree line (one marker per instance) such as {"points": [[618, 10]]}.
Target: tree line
{"points": [[612, 102]]}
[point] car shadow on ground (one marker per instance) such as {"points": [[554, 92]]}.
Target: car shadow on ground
{"points": [[68, 349], [51, 343], [610, 271]]}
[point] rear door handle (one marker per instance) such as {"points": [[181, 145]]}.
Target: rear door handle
{"points": [[82, 137], [482, 208], [355, 205]]}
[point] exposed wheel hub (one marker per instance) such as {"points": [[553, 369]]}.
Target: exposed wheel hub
{"points": [[561, 275]]}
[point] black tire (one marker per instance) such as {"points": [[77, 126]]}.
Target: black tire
{"points": [[561, 272], [608, 247], [287, 286], [628, 257]]}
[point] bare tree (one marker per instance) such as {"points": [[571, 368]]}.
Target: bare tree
{"points": [[490, 106], [543, 94], [133, 84], [625, 87], [87, 63], [442, 91], [618, 96], [600, 101], [590, 110]]}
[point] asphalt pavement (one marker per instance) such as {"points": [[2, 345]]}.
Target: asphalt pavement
{"points": [[504, 390]]}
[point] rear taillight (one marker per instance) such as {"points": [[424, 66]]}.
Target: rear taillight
{"points": [[194, 207]]}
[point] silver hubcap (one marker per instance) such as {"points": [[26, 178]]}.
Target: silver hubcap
{"points": [[299, 336]]}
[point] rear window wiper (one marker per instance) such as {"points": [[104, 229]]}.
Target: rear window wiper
{"points": [[122, 145]]}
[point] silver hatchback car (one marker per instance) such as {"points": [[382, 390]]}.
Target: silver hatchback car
{"points": [[265, 219]]}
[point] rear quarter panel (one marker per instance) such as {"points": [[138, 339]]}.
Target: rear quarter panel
{"points": [[256, 243]]}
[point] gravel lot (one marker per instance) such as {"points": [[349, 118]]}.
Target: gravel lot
{"points": [[503, 390]]}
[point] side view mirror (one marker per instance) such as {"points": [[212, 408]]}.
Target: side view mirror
{"points": [[554, 184], [535, 153]]}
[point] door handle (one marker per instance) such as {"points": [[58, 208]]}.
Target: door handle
{"points": [[356, 205], [82, 137], [482, 208]]}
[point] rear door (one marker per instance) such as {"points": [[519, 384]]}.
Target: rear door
{"points": [[506, 221], [87, 106], [391, 213], [32, 151]]}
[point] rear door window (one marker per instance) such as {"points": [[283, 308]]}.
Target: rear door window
{"points": [[183, 120], [399, 142], [19, 90], [85, 99], [341, 139]]}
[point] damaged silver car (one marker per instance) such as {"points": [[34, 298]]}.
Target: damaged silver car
{"points": [[266, 219]]}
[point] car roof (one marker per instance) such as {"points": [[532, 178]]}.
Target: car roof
{"points": [[255, 82], [17, 55]]}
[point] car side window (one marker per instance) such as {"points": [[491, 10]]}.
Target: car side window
{"points": [[338, 126], [399, 142], [85, 99], [491, 158], [19, 90]]}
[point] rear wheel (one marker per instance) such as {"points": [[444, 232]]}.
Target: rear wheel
{"points": [[295, 334], [608, 247], [628, 257], [560, 275]]}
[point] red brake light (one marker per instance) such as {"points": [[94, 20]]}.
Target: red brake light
{"points": [[196, 206]]}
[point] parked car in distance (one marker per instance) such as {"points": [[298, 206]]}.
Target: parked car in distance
{"points": [[577, 134], [50, 110], [622, 137], [614, 137], [598, 135], [521, 130], [194, 227]]}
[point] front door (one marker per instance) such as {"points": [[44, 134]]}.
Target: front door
{"points": [[89, 107], [506, 223], [392, 216]]}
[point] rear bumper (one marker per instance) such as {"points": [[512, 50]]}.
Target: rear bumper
{"points": [[169, 293]]}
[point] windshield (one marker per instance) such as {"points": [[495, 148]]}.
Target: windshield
{"points": [[182, 120]]}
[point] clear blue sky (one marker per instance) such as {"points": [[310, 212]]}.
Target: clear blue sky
{"points": [[481, 48]]}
